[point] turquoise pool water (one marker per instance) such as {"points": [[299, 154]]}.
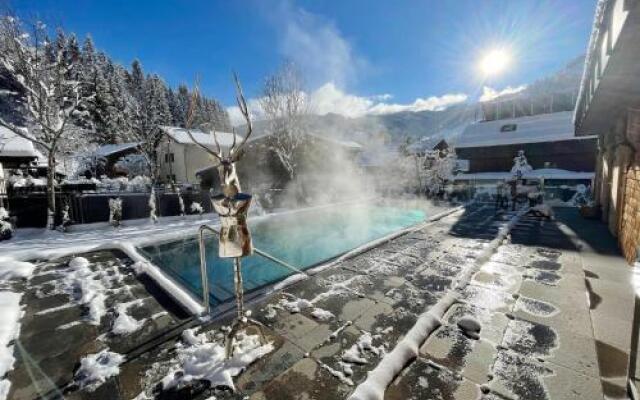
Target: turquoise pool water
{"points": [[302, 239]]}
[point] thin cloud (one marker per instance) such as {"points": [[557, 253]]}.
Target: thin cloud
{"points": [[328, 98], [316, 46], [489, 93]]}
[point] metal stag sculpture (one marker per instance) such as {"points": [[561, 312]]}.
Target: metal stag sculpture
{"points": [[232, 206]]}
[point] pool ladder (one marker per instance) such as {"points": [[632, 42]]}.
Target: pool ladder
{"points": [[203, 264]]}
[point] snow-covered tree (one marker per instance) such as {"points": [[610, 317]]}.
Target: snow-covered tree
{"points": [[43, 70], [152, 112], [438, 167], [285, 106]]}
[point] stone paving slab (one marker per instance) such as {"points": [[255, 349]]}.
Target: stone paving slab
{"points": [[518, 377], [426, 381], [538, 340]]}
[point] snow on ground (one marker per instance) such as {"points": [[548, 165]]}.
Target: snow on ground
{"points": [[356, 354], [322, 315], [85, 287], [10, 269], [295, 305], [201, 357], [29, 244], [96, 368], [89, 286], [10, 314], [374, 387], [125, 324]]}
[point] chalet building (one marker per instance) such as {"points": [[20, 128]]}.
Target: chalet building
{"points": [[608, 105], [19, 155], [180, 158], [548, 141], [422, 147], [16, 152], [112, 153]]}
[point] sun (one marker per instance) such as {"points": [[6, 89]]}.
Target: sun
{"points": [[494, 62]]}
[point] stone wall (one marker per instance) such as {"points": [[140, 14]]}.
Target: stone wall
{"points": [[630, 222]]}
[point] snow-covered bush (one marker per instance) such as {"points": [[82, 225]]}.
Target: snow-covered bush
{"points": [[115, 211], [181, 204], [133, 165], [20, 181], [122, 184], [196, 208], [6, 229], [520, 165], [581, 197], [152, 206], [66, 218]]}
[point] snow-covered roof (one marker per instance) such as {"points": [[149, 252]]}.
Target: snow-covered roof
{"points": [[546, 173], [480, 176], [180, 135], [424, 144], [109, 149], [554, 173], [601, 6], [12, 145], [531, 129]]}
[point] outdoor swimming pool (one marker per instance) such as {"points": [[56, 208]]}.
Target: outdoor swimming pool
{"points": [[302, 239]]}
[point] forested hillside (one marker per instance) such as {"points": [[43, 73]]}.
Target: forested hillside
{"points": [[116, 101]]}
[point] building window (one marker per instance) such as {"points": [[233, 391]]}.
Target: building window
{"points": [[168, 158], [508, 128]]}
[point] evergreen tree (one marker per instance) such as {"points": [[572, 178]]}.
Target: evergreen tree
{"points": [[182, 105], [136, 81]]}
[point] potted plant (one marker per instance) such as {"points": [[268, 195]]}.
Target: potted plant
{"points": [[590, 210]]}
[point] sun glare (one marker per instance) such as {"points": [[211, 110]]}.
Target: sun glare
{"points": [[494, 62]]}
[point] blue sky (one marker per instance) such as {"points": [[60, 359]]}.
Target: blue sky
{"points": [[360, 54]]}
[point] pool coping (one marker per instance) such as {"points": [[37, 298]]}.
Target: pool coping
{"points": [[257, 294]]}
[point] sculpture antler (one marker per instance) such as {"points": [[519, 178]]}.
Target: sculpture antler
{"points": [[236, 152]]}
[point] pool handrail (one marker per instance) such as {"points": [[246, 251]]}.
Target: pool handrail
{"points": [[203, 264], [203, 267]]}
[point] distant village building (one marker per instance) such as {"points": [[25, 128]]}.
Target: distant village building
{"points": [[548, 141], [609, 106], [424, 146]]}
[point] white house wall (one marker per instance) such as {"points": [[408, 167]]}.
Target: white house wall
{"points": [[187, 160]]}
